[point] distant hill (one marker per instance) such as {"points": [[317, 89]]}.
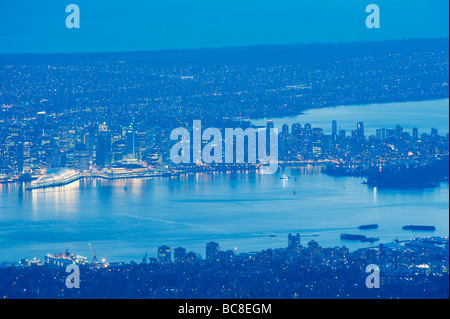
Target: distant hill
{"points": [[249, 56]]}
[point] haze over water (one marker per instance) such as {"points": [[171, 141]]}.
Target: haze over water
{"points": [[125, 218], [423, 114]]}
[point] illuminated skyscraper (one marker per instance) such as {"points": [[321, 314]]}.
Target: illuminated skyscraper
{"points": [[294, 242], [360, 130], [41, 123], [212, 252], [334, 133], [164, 255], [308, 130], [179, 255], [103, 149], [334, 128]]}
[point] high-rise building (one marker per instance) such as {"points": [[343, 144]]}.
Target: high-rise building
{"points": [[294, 242], [296, 129], [270, 125], [41, 120], [179, 255], [342, 135], [313, 245], [381, 134], [434, 132], [360, 130], [131, 143], [191, 257], [308, 129], [334, 132], [212, 252], [103, 149], [317, 133], [398, 131], [19, 157], [227, 256], [164, 255], [81, 156], [415, 133], [317, 148], [390, 133], [27, 157]]}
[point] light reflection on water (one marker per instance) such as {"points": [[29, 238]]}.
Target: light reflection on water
{"points": [[125, 218]]}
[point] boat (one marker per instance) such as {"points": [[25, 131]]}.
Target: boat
{"points": [[64, 259], [284, 178], [425, 228], [53, 180], [370, 240], [353, 237], [364, 227], [360, 238]]}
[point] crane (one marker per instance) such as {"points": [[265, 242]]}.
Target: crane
{"points": [[94, 252]]}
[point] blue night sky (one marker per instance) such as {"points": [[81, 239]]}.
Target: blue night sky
{"points": [[132, 25]]}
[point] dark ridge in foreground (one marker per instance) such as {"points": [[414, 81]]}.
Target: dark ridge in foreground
{"points": [[251, 56]]}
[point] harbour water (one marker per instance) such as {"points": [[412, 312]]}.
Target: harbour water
{"points": [[252, 212], [125, 218]]}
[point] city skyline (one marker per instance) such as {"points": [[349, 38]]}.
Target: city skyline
{"points": [[289, 273], [358, 206]]}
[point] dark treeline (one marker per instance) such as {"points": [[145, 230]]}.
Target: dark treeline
{"points": [[398, 176], [411, 176]]}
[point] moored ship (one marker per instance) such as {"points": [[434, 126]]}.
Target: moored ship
{"points": [[425, 228], [360, 238], [353, 237], [372, 226], [64, 259], [53, 180]]}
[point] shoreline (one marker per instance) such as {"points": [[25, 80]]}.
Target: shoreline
{"points": [[367, 103], [97, 177], [208, 170], [308, 116], [211, 170], [310, 238]]}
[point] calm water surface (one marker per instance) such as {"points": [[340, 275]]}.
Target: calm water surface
{"points": [[123, 219]]}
